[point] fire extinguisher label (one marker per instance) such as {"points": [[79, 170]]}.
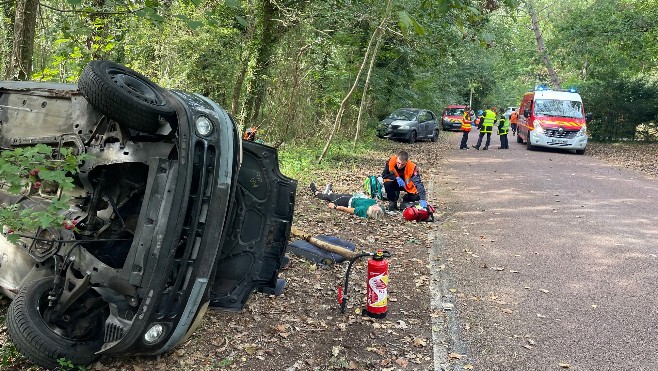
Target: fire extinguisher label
{"points": [[378, 295]]}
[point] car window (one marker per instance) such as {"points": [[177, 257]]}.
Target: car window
{"points": [[403, 114], [559, 108], [454, 112], [430, 115], [422, 117]]}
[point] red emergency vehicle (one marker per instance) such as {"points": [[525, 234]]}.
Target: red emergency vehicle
{"points": [[452, 117], [553, 119]]}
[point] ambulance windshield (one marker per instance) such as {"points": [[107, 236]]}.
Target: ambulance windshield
{"points": [[559, 108]]}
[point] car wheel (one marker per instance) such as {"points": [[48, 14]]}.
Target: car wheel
{"points": [[124, 95], [435, 135], [580, 151], [412, 137], [530, 147], [43, 337], [518, 138]]}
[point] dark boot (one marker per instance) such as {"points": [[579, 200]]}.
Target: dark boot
{"points": [[476, 147], [313, 188], [392, 205], [485, 148]]}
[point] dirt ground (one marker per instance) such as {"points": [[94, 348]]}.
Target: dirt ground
{"points": [[303, 329]]}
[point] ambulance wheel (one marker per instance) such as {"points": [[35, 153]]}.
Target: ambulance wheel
{"points": [[518, 139], [530, 147]]}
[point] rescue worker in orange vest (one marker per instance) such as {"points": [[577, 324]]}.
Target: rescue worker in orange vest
{"points": [[250, 134], [466, 127], [514, 121], [399, 175], [486, 124]]}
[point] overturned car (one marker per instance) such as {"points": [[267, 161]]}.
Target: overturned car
{"points": [[172, 213]]}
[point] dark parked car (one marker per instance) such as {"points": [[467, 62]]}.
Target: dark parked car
{"points": [[409, 124], [174, 213]]}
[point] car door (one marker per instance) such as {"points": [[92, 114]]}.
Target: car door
{"points": [[253, 250], [422, 124], [432, 123]]}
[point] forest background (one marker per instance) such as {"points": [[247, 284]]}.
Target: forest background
{"points": [[307, 73]]}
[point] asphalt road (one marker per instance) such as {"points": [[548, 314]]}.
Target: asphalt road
{"points": [[550, 259]]}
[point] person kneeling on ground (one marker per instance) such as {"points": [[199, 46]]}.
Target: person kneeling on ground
{"points": [[359, 205], [399, 175]]}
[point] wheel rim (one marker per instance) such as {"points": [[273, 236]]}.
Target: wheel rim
{"points": [[80, 322], [135, 87]]}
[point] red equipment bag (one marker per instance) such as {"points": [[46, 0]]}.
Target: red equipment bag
{"points": [[412, 213]]}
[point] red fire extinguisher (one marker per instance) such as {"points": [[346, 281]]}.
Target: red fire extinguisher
{"points": [[377, 284]]}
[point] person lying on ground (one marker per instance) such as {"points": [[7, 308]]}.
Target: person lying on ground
{"points": [[357, 204]]}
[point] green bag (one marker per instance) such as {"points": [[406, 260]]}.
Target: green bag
{"points": [[373, 188]]}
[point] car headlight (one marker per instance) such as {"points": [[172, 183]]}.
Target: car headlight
{"points": [[203, 126], [538, 129], [404, 127], [154, 334], [582, 131]]}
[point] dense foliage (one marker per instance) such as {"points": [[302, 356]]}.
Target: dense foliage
{"points": [[285, 66]]}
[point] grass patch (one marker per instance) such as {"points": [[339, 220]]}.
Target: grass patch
{"points": [[299, 160]]}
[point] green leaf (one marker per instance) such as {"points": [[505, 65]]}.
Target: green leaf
{"points": [[235, 4], [243, 22], [194, 24], [74, 2]]}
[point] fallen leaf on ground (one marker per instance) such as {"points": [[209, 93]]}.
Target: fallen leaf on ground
{"points": [[456, 356], [564, 365]]}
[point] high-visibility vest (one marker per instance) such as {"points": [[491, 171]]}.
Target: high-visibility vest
{"points": [[504, 128], [466, 121], [514, 117], [409, 170], [488, 123]]}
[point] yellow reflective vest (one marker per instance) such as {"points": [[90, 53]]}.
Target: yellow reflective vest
{"points": [[488, 122]]}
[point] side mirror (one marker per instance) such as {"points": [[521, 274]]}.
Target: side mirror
{"points": [[526, 113], [588, 117]]}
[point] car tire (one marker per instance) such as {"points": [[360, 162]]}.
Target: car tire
{"points": [[529, 145], [412, 137], [580, 151], [518, 138], [44, 342], [124, 95], [435, 135]]}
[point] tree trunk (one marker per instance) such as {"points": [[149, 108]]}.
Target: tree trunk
{"points": [[366, 85], [20, 65], [256, 90], [341, 109], [540, 45]]}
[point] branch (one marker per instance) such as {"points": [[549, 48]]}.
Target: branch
{"points": [[83, 11]]}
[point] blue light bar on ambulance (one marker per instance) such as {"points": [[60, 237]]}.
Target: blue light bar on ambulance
{"points": [[572, 90]]}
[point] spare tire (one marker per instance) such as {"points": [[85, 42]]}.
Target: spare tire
{"points": [[124, 95]]}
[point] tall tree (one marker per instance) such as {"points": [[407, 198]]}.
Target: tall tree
{"points": [[20, 65], [540, 45]]}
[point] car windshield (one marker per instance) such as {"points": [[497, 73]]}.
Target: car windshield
{"points": [[560, 108], [454, 112], [403, 114]]}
